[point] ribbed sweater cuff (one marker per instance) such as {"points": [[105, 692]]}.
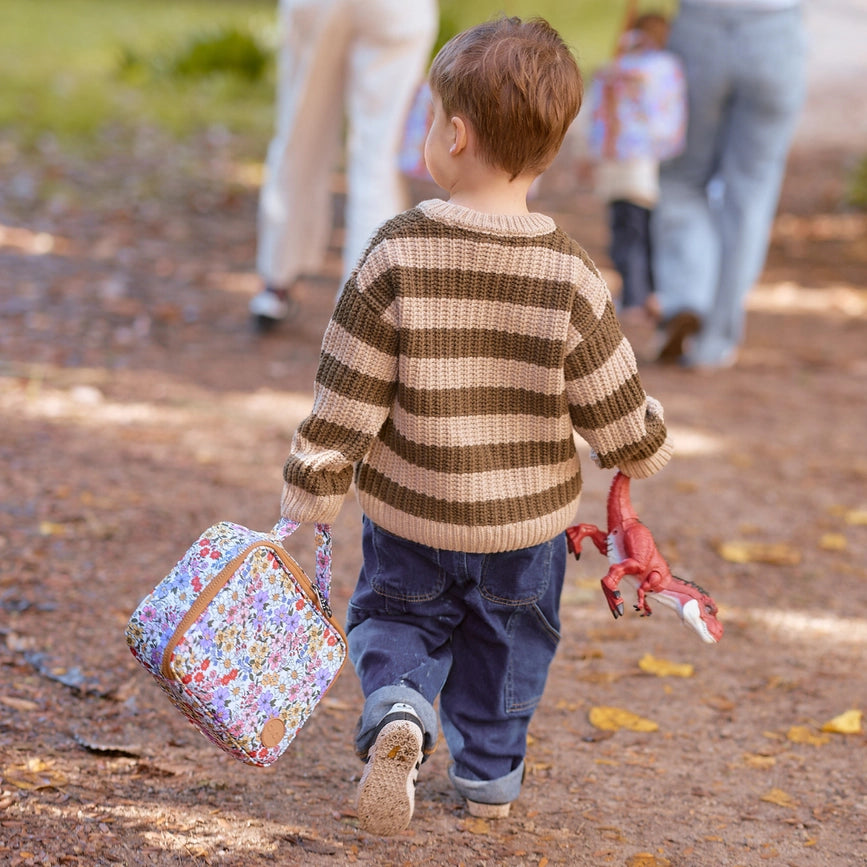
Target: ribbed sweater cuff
{"points": [[647, 467], [299, 505]]}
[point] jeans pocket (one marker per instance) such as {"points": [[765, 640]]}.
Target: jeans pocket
{"points": [[535, 640], [400, 570], [518, 577]]}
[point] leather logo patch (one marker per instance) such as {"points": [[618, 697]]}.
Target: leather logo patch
{"points": [[272, 732]]}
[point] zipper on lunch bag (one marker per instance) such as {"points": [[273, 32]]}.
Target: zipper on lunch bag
{"points": [[219, 581]]}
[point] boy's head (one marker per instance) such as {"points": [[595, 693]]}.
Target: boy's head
{"points": [[516, 83]]}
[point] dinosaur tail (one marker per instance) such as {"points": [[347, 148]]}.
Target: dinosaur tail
{"points": [[619, 504]]}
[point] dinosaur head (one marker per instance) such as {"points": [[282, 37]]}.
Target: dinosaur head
{"points": [[698, 610]]}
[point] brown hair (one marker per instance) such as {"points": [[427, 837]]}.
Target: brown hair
{"points": [[656, 27], [517, 84]]}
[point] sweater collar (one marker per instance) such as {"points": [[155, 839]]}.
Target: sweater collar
{"points": [[527, 225]]}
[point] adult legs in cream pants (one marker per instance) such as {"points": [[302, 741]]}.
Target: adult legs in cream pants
{"points": [[353, 60]]}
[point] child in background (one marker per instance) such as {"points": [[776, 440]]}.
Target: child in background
{"points": [[470, 343], [637, 105]]}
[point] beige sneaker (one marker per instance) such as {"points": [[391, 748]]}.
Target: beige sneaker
{"points": [[488, 811], [386, 793]]}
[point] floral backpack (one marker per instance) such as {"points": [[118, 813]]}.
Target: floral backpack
{"points": [[637, 106]]}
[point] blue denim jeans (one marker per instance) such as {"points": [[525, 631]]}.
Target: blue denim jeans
{"points": [[478, 631], [631, 251], [746, 78]]}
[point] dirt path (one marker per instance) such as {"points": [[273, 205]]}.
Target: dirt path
{"points": [[137, 408]]}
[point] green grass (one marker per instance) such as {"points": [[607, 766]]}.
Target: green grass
{"points": [[60, 63], [75, 69]]}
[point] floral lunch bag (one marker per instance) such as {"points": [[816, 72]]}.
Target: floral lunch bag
{"points": [[241, 640]]}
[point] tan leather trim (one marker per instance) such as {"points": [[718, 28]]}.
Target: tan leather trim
{"points": [[219, 581]]}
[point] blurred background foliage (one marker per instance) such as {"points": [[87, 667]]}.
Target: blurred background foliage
{"points": [[74, 68], [83, 75]]}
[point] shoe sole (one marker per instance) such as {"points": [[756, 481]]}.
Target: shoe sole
{"points": [[488, 811], [386, 793], [682, 326]]}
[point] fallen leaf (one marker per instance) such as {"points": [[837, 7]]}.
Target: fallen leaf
{"points": [[857, 517], [615, 718], [21, 704], [50, 528], [833, 542], [664, 668], [34, 774], [805, 735], [780, 798], [847, 723], [775, 554], [719, 702], [647, 859], [755, 760], [477, 826]]}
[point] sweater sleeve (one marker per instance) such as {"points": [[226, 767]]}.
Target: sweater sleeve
{"points": [[352, 395], [609, 407]]}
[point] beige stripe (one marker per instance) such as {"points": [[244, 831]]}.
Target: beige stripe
{"points": [[473, 539], [478, 430], [612, 374], [463, 313], [349, 350], [626, 430], [524, 262], [469, 487], [340, 409], [315, 457], [452, 373]]}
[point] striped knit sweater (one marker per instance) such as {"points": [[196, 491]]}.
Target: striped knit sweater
{"points": [[464, 352]]}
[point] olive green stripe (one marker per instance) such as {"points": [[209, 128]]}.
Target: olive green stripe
{"points": [[477, 513], [464, 459], [351, 383], [482, 343]]}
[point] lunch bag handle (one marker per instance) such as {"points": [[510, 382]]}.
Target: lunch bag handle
{"points": [[322, 536]]}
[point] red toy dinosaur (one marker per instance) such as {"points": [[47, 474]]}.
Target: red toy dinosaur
{"points": [[633, 555]]}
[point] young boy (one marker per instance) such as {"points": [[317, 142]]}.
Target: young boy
{"points": [[470, 343]]}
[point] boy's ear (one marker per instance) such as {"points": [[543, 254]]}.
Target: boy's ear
{"points": [[460, 136]]}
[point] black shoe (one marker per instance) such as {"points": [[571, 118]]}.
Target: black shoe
{"points": [[269, 307], [676, 331]]}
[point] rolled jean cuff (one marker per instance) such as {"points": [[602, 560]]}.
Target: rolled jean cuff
{"points": [[501, 791], [379, 703]]}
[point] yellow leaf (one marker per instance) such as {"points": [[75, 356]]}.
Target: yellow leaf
{"points": [[613, 719], [34, 774], [848, 723], [50, 528], [477, 826], [857, 517], [780, 798], [754, 760], [776, 554], [20, 704], [647, 859], [805, 735], [664, 668], [832, 542]]}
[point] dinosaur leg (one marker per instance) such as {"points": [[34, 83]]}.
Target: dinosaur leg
{"points": [[611, 588], [575, 535], [654, 582], [643, 606]]}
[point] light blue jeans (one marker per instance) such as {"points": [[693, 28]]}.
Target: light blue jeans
{"points": [[746, 80]]}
